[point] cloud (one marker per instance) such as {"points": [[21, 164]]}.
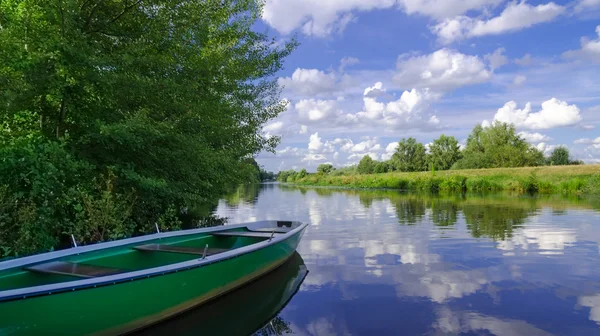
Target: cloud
{"points": [[315, 145], [519, 80], [390, 149], [408, 112], [524, 61], [324, 18], [496, 59], [314, 111], [590, 49], [440, 9], [587, 141], [347, 61], [545, 148], [534, 138], [516, 16], [375, 90], [554, 113], [587, 4], [443, 70], [309, 82], [316, 18]]}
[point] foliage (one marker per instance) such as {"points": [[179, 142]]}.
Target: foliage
{"points": [[366, 165], [302, 174], [560, 156], [565, 179], [498, 146], [381, 167], [168, 96], [410, 156], [325, 168], [444, 152]]}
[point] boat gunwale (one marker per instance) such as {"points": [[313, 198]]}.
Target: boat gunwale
{"points": [[28, 292]]}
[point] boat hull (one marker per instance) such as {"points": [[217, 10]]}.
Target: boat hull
{"points": [[132, 305]]}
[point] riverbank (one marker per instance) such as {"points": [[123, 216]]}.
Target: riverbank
{"points": [[582, 179]]}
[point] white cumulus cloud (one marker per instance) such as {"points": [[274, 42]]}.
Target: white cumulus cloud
{"points": [[317, 18], [315, 144], [516, 16], [410, 111], [554, 113], [324, 18], [309, 82], [444, 70], [534, 138]]}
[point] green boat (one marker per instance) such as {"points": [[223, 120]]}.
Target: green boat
{"points": [[122, 286], [255, 306]]}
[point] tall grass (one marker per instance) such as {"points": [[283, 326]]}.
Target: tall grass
{"points": [[546, 180]]}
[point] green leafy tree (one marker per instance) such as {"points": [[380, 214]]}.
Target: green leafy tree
{"points": [[444, 152], [498, 146], [410, 156], [302, 174], [325, 168], [366, 165], [381, 167], [171, 95], [560, 156]]}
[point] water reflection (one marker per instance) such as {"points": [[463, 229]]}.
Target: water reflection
{"points": [[251, 309], [388, 263]]}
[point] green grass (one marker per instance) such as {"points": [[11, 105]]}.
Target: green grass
{"points": [[583, 179]]}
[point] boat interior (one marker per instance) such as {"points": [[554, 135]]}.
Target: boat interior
{"points": [[139, 256]]}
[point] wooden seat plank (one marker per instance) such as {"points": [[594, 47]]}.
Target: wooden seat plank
{"points": [[179, 249], [74, 269]]}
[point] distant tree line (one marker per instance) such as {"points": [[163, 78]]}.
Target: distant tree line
{"points": [[496, 146]]}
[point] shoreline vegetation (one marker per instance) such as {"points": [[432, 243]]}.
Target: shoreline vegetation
{"points": [[494, 158], [577, 179], [119, 118]]}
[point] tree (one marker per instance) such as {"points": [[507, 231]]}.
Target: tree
{"points": [[444, 152], [410, 156], [302, 174], [381, 167], [325, 168], [559, 156], [171, 95], [497, 146], [366, 165]]}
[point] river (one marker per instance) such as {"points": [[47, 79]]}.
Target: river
{"points": [[391, 263]]}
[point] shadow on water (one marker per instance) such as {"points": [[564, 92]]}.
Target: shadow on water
{"points": [[252, 309]]}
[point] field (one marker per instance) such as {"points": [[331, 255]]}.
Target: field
{"points": [[582, 179]]}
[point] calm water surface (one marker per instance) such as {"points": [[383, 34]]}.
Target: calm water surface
{"points": [[388, 263]]}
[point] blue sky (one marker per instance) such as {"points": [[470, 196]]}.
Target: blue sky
{"points": [[370, 72]]}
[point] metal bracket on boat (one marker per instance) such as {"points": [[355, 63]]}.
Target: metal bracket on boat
{"points": [[272, 234], [74, 241], [205, 250], [156, 226]]}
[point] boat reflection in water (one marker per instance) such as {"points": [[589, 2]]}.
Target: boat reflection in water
{"points": [[249, 310]]}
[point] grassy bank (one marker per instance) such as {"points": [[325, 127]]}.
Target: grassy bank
{"points": [[584, 179]]}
